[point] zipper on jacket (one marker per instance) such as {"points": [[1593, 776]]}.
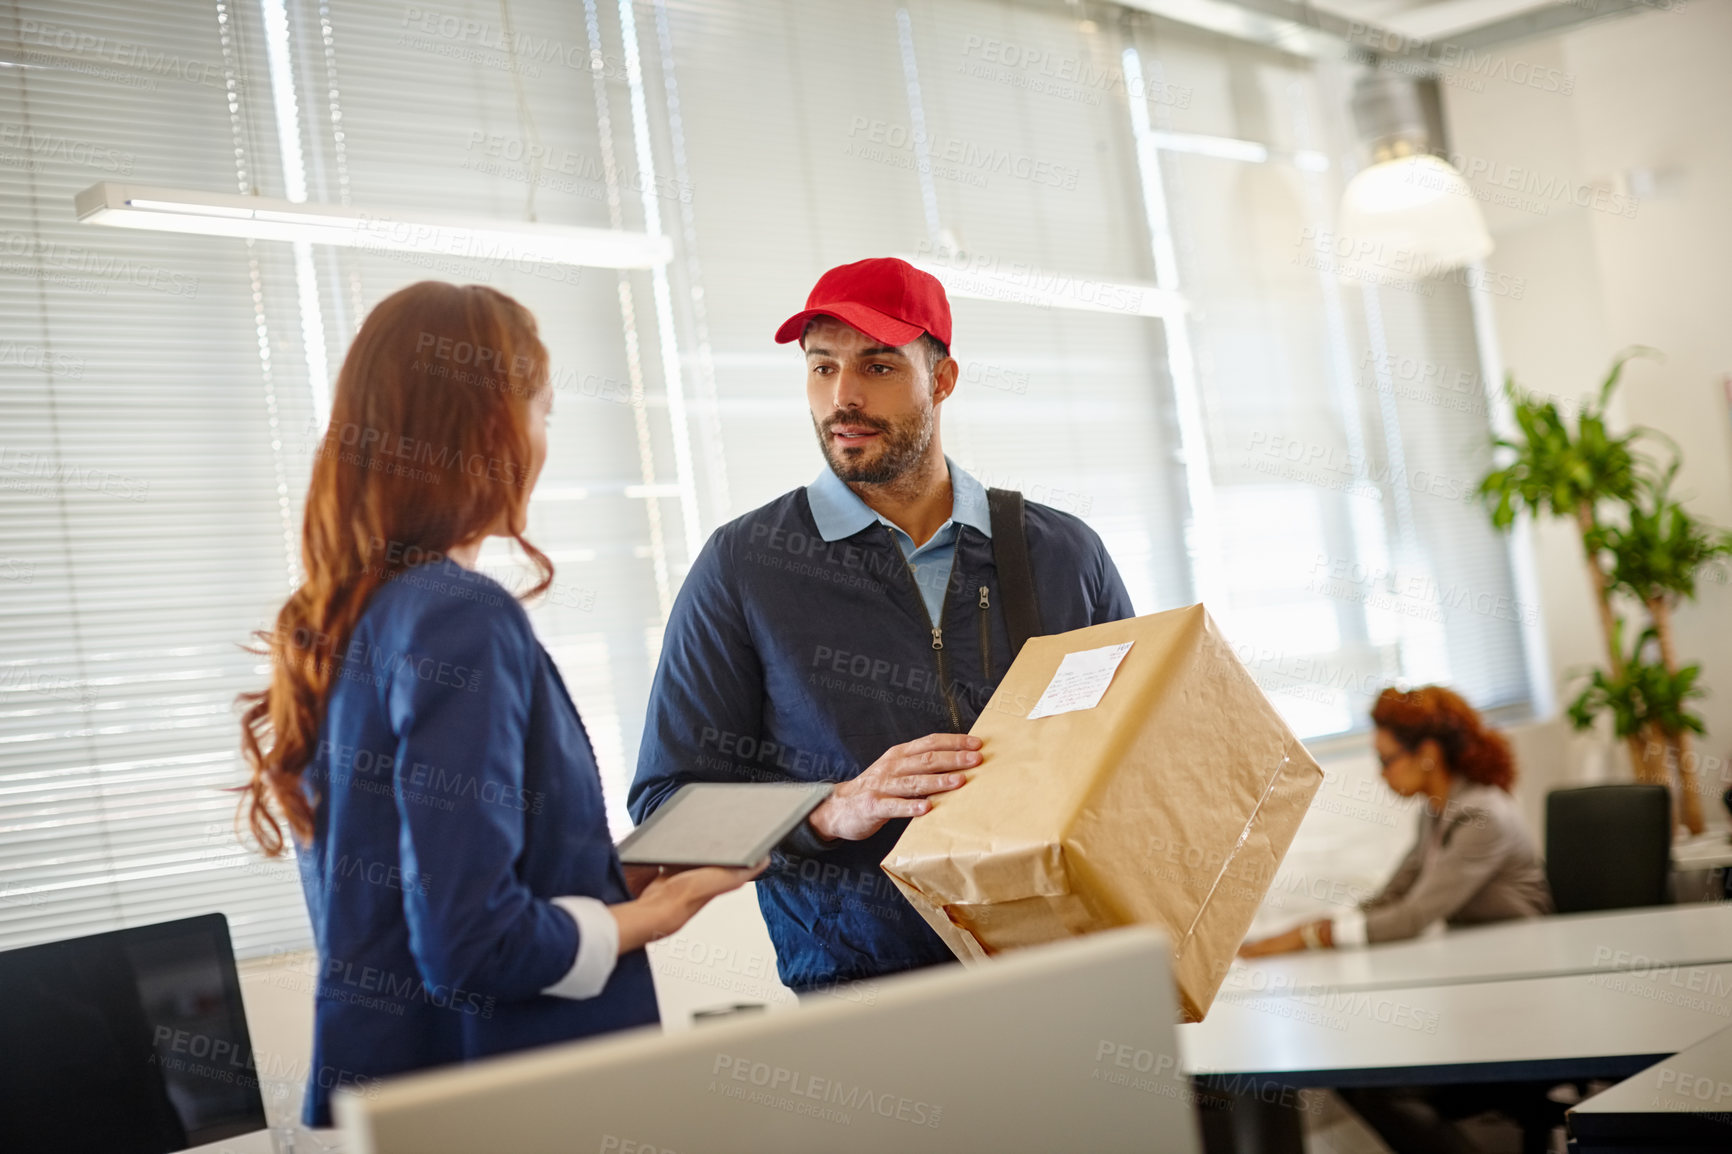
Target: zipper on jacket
{"points": [[937, 629], [985, 635]]}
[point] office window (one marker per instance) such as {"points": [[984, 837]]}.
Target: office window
{"points": [[1289, 445], [162, 401], [152, 386], [446, 108], [1129, 213], [1345, 408], [804, 156]]}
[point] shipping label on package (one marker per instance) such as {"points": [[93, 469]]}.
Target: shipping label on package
{"points": [[1081, 681]]}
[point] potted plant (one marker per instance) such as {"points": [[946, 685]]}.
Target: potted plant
{"points": [[1640, 546]]}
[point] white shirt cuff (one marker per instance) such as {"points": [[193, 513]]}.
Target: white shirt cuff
{"points": [[1349, 929], [597, 949]]}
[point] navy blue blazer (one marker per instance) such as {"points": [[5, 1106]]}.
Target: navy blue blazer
{"points": [[455, 792], [788, 657]]}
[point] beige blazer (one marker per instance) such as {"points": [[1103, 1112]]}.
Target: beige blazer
{"points": [[1475, 862]]}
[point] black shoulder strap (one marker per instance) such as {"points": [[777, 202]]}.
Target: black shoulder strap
{"points": [[1015, 574]]}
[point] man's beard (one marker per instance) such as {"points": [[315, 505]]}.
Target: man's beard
{"points": [[902, 447]]}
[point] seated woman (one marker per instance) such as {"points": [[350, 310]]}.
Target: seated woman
{"points": [[1473, 860], [416, 738]]}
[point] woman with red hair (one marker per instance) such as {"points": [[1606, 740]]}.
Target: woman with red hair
{"points": [[416, 739], [1473, 860]]}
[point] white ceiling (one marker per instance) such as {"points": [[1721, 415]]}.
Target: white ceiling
{"points": [[1317, 27], [1431, 19]]}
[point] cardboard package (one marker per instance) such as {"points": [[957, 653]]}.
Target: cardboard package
{"points": [[1171, 802]]}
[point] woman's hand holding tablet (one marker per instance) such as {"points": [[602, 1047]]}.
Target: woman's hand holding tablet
{"points": [[707, 839], [670, 900]]}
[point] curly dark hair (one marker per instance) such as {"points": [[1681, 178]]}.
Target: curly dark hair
{"points": [[1471, 749]]}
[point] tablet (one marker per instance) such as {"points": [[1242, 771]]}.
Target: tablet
{"points": [[718, 823]]}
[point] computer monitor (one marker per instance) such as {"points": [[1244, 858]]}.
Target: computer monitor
{"points": [[130, 1042], [1056, 1048]]}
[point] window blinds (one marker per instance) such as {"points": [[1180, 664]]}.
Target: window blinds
{"points": [[160, 392], [159, 416], [1006, 130], [148, 498]]}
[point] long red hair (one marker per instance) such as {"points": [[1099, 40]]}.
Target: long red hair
{"points": [[1471, 748], [428, 448]]}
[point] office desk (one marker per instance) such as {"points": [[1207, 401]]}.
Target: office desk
{"points": [[1688, 935], [1594, 1025], [1705, 851], [1683, 1103]]}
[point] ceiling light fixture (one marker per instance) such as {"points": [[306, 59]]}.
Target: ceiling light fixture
{"points": [[1408, 199], [989, 279], [264, 218]]}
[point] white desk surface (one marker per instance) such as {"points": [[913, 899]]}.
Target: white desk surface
{"points": [[1582, 1025], [1696, 934], [1705, 851], [1696, 1081], [1684, 1102]]}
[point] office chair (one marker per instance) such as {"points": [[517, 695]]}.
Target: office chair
{"points": [[1726, 874], [1608, 847]]}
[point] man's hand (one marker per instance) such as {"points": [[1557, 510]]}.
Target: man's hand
{"points": [[896, 785]]}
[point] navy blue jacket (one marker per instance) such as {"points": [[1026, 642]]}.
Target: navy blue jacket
{"points": [[455, 793], [791, 658]]}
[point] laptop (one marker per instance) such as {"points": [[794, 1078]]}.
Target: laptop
{"points": [[130, 1042], [1069, 1046]]}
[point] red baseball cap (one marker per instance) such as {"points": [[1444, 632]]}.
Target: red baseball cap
{"points": [[887, 299]]}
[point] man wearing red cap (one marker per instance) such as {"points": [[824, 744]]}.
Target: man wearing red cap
{"points": [[853, 630]]}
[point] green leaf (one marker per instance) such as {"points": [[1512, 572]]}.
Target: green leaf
{"points": [[1618, 363]]}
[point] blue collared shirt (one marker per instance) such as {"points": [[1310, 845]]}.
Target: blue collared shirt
{"points": [[840, 513]]}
